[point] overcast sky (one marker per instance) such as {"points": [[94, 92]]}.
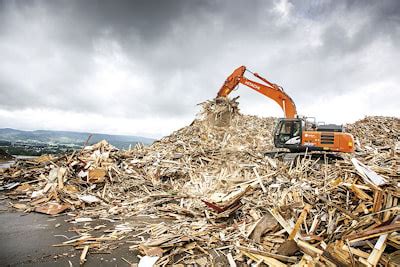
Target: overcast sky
{"points": [[140, 67]]}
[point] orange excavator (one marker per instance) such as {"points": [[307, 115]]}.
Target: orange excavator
{"points": [[298, 134]]}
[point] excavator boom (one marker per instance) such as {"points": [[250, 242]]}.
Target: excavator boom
{"points": [[268, 89]]}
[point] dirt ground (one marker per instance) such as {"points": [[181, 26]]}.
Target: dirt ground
{"points": [[27, 239]]}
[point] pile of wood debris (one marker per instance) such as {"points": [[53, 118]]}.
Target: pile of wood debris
{"points": [[212, 197]]}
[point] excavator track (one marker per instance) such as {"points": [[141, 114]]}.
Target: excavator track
{"points": [[294, 156]]}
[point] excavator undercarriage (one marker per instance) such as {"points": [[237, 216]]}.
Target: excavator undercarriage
{"points": [[295, 157]]}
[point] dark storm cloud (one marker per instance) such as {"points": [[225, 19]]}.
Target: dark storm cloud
{"points": [[56, 53], [376, 18], [164, 37]]}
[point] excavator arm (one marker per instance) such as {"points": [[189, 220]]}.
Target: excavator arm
{"points": [[269, 89]]}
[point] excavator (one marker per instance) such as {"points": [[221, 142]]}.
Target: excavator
{"points": [[295, 133]]}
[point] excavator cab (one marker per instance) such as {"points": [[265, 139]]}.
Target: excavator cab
{"points": [[288, 134]]}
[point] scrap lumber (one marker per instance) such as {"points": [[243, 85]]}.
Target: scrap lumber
{"points": [[374, 232], [299, 221], [267, 260], [377, 251], [268, 254], [266, 223], [82, 258], [367, 174]]}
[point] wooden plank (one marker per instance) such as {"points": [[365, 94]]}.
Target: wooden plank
{"points": [[376, 253], [299, 221], [374, 232], [268, 254], [267, 260], [82, 258]]}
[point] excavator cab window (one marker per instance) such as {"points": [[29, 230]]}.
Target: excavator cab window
{"points": [[289, 133]]}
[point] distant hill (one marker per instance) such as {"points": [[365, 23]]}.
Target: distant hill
{"points": [[66, 137]]}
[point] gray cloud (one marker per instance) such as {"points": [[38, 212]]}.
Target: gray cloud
{"points": [[139, 59]]}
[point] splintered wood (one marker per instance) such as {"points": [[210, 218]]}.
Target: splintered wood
{"points": [[210, 196]]}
